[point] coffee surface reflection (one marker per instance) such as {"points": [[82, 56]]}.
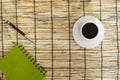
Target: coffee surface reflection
{"points": [[89, 30]]}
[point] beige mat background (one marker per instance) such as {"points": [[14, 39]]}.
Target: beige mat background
{"points": [[57, 51]]}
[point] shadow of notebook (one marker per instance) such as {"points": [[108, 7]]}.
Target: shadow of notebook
{"points": [[17, 65]]}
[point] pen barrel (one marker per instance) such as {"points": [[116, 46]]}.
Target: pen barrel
{"points": [[16, 28]]}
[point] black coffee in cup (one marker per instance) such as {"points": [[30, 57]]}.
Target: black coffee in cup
{"points": [[89, 30]]}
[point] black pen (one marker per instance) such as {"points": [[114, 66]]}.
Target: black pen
{"points": [[18, 30]]}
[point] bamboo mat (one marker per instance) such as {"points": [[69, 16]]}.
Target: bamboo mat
{"points": [[50, 23]]}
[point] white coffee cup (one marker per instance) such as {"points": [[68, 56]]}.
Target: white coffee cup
{"points": [[88, 32]]}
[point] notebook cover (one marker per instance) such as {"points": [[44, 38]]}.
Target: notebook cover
{"points": [[17, 65]]}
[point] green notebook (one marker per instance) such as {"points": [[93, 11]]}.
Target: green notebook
{"points": [[17, 65]]}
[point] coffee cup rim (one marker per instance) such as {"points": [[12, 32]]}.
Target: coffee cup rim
{"points": [[82, 27]]}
